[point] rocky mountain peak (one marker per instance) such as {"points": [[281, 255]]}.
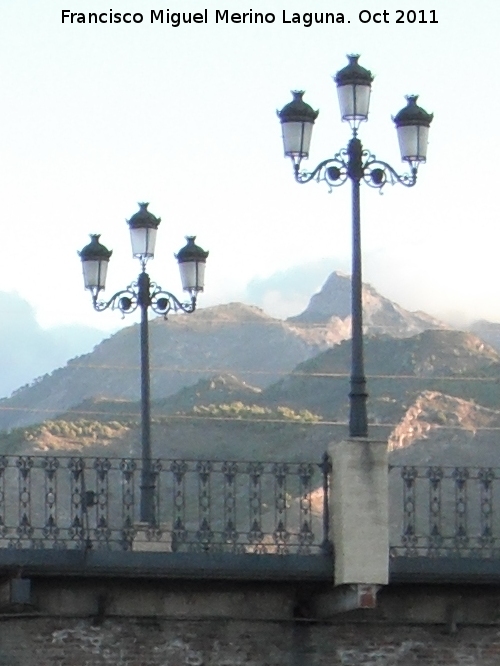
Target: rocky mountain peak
{"points": [[331, 308], [440, 429], [333, 300]]}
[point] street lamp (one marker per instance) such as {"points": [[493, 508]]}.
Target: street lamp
{"points": [[354, 163], [144, 294]]}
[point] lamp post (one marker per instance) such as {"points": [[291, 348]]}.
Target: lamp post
{"points": [[356, 164], [144, 294]]}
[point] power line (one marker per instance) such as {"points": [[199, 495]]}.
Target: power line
{"points": [[284, 373], [194, 417]]}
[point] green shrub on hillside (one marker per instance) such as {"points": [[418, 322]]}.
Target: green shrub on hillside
{"points": [[73, 429], [238, 410]]}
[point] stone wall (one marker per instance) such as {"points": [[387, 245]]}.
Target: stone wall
{"points": [[132, 622], [149, 642]]}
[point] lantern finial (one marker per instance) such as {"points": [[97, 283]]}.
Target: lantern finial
{"points": [[192, 259], [412, 124], [353, 88], [297, 120], [95, 258], [143, 226]]}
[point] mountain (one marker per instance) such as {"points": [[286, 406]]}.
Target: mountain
{"points": [[488, 331], [232, 339], [219, 389], [439, 429], [300, 414], [329, 311], [397, 370], [235, 431]]}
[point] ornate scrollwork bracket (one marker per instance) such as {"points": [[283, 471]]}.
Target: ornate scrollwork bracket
{"points": [[334, 171], [348, 164], [377, 173], [128, 300]]}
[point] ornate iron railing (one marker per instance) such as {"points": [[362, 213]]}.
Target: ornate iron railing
{"points": [[204, 506], [200, 505], [440, 511]]}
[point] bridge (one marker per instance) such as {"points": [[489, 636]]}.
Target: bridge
{"points": [[227, 519], [345, 560]]}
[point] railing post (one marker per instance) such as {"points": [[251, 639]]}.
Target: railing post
{"points": [[360, 517]]}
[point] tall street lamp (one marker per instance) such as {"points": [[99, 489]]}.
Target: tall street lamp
{"points": [[144, 294], [355, 163]]}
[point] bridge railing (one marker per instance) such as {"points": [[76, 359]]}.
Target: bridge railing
{"points": [[71, 503], [65, 502], [441, 511]]}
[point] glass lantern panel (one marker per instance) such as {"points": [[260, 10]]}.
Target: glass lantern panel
{"points": [[94, 274], [354, 101], [143, 242], [413, 141], [192, 275], [297, 138]]}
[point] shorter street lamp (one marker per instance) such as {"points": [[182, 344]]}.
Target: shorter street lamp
{"points": [[144, 294], [354, 163]]}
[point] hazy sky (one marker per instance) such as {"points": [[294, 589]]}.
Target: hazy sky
{"points": [[98, 117]]}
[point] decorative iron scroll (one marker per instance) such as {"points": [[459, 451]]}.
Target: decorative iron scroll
{"points": [[444, 511], [63, 502], [374, 172]]}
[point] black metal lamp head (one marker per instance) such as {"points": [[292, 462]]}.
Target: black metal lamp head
{"points": [[297, 120], [192, 259], [143, 227], [95, 258], [412, 124], [353, 88]]}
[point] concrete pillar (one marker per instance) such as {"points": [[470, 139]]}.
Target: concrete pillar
{"points": [[359, 511]]}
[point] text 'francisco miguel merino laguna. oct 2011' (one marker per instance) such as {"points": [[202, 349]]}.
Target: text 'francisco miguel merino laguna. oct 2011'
{"points": [[176, 19]]}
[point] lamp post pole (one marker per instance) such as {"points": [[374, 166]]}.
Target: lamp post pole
{"points": [[358, 420], [145, 295], [356, 164], [147, 510]]}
